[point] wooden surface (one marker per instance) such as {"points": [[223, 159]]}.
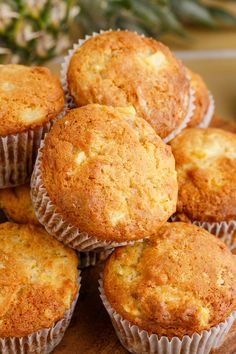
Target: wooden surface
{"points": [[91, 331]]}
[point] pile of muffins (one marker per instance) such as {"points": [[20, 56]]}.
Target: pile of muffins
{"points": [[116, 162]]}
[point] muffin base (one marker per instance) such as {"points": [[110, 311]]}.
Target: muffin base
{"points": [[139, 341], [224, 230], [71, 104], [42, 341], [209, 114], [91, 258], [18, 153], [47, 214]]}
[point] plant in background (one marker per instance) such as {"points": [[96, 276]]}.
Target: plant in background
{"points": [[152, 17], [32, 31]]}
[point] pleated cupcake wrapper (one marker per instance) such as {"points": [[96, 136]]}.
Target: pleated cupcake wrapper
{"points": [[183, 125], [224, 230], [91, 258], [42, 341], [71, 104], [54, 222], [139, 341], [18, 153], [209, 114]]}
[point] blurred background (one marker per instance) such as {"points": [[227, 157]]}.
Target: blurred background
{"points": [[202, 33]]}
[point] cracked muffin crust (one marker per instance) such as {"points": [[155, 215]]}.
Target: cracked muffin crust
{"points": [[108, 173], [206, 171], [202, 99], [29, 97], [165, 286], [122, 68], [38, 279], [17, 205]]}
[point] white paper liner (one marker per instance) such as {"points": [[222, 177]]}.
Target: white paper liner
{"points": [[183, 125], [42, 341], [71, 104], [209, 114], [18, 153], [224, 230], [47, 214], [139, 341], [91, 258]]}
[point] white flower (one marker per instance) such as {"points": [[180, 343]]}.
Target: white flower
{"points": [[34, 7], [6, 16], [58, 12], [44, 43], [25, 33], [63, 43]]}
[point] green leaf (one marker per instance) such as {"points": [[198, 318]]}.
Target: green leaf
{"points": [[224, 17], [193, 12]]}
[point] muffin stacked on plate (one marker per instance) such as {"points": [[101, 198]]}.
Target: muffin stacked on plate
{"points": [[103, 178]]}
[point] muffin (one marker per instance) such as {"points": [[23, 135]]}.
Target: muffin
{"points": [[103, 178], [204, 102], [30, 100], [206, 170], [122, 68], [17, 205], [163, 294], [39, 288]]}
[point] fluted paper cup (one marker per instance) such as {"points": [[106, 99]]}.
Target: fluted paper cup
{"points": [[209, 114], [48, 215], [139, 341], [91, 258], [18, 153], [42, 341]]}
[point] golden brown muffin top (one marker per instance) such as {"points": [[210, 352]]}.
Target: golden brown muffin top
{"points": [[29, 97], [122, 68], [17, 205], [166, 286], [109, 174], [38, 279], [202, 99], [206, 169]]}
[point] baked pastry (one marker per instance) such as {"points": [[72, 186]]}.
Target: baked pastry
{"points": [[165, 286], [204, 104], [103, 171], [30, 100], [206, 169], [39, 287], [17, 205], [122, 68]]}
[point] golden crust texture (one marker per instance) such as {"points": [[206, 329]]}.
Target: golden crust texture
{"points": [[109, 174], [202, 99], [29, 97], [166, 286], [206, 170], [17, 205], [122, 68], [38, 279]]}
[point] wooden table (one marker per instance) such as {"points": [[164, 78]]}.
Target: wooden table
{"points": [[91, 331]]}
